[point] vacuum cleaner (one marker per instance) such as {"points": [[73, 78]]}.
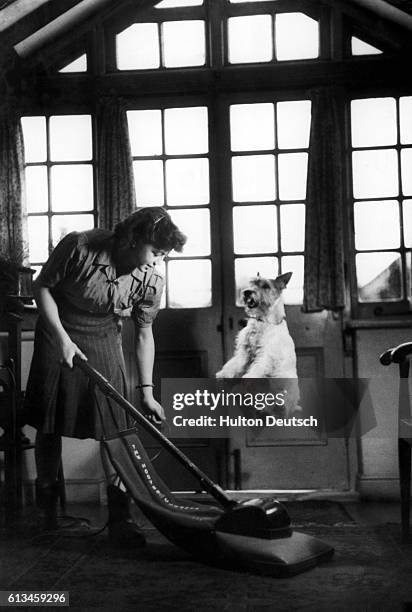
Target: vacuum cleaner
{"points": [[254, 535]]}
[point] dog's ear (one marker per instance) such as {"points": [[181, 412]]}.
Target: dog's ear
{"points": [[281, 281]]}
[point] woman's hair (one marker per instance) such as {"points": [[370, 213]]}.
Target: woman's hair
{"points": [[151, 225]]}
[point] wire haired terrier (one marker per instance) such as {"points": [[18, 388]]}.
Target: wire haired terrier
{"points": [[264, 348]]}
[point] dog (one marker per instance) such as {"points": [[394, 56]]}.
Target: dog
{"points": [[264, 348]]}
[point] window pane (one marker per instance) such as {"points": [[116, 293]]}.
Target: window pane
{"points": [[36, 189], [293, 294], [189, 284], [255, 229], [297, 36], [377, 225], [187, 182], [148, 180], [35, 143], [63, 224], [252, 127], [406, 165], [248, 267], [250, 39], [375, 174], [137, 47], [77, 65], [184, 43], [177, 3], [186, 130], [293, 168], [71, 188], [379, 276], [373, 122], [407, 223], [38, 231], [70, 138], [145, 132], [195, 224], [292, 227], [405, 106], [253, 178], [360, 47], [293, 119]]}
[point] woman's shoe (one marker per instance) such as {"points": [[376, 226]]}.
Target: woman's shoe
{"points": [[123, 531]]}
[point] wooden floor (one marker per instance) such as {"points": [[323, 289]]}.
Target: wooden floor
{"points": [[370, 572]]}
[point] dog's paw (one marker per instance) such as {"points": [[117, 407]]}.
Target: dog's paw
{"points": [[253, 375], [219, 374]]}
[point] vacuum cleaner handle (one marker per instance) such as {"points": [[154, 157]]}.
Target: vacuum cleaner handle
{"points": [[109, 391]]}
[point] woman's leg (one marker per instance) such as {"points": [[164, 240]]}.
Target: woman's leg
{"points": [[123, 531], [48, 448], [47, 452]]}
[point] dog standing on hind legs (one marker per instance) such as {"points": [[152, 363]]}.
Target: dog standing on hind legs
{"points": [[264, 348]]}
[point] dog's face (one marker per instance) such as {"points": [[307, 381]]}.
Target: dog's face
{"points": [[263, 295]]}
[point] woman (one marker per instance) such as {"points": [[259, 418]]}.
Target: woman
{"points": [[91, 280]]}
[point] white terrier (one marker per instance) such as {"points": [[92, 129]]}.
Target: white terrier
{"points": [[264, 348]]}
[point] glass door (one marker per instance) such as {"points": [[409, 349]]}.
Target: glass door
{"points": [[263, 220]]}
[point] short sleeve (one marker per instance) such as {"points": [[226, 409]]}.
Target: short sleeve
{"points": [[145, 310], [60, 262]]}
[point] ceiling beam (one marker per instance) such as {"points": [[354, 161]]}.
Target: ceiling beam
{"points": [[59, 26], [386, 11], [17, 10]]}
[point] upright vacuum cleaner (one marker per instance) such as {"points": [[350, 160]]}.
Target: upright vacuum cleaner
{"points": [[255, 534]]}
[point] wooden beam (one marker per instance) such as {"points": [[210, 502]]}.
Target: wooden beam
{"points": [[387, 11], [357, 75], [65, 22], [58, 27], [17, 10]]}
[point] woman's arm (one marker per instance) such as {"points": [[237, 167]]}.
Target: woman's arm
{"points": [[145, 351], [48, 309]]}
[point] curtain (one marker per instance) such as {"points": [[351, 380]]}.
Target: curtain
{"points": [[13, 220], [116, 192], [324, 286]]}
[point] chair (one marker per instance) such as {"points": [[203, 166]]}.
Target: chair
{"points": [[13, 444], [402, 355]]}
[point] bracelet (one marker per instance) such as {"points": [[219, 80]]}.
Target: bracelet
{"points": [[144, 385]]}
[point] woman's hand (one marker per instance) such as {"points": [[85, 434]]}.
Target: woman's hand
{"points": [[152, 409], [68, 350]]}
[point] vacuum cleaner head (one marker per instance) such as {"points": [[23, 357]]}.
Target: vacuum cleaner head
{"points": [[259, 518], [281, 557]]}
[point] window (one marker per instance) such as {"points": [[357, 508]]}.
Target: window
{"points": [[269, 154], [272, 37], [360, 47], [77, 65], [157, 42], [381, 141], [170, 148], [59, 180]]}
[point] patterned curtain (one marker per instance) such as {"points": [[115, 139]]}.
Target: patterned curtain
{"points": [[117, 198], [13, 219], [324, 283]]}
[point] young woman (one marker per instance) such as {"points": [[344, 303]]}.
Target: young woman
{"points": [[91, 280]]}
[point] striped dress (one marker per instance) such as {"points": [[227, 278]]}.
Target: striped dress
{"points": [[91, 301]]}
